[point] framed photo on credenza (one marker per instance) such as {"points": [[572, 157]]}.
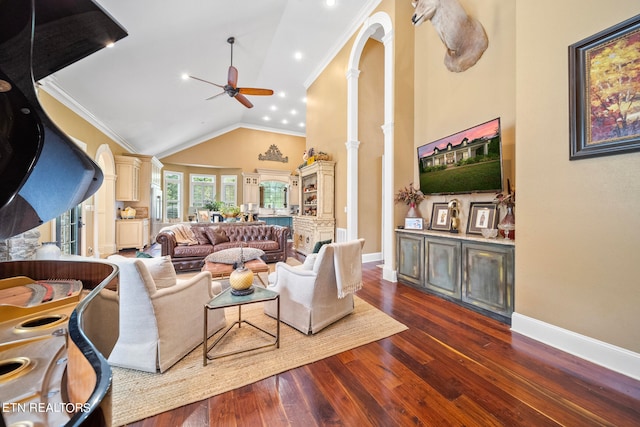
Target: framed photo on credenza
{"points": [[482, 215], [440, 217]]}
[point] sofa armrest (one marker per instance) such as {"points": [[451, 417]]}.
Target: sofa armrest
{"points": [[280, 235], [167, 241]]}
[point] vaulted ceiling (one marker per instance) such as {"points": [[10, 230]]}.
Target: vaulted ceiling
{"points": [[135, 93]]}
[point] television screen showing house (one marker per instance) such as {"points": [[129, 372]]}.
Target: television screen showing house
{"points": [[465, 162]]}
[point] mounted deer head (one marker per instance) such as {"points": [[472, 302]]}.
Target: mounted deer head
{"points": [[463, 36]]}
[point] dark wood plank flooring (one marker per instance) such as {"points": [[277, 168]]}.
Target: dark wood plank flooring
{"points": [[453, 367]]}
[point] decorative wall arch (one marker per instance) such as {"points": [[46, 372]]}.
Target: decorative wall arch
{"points": [[378, 21], [104, 211]]}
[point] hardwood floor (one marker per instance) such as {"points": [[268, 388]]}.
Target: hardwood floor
{"points": [[453, 367]]}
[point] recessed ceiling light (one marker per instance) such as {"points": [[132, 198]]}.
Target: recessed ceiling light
{"points": [[110, 45], [273, 108], [330, 3], [282, 94], [266, 118], [297, 56], [294, 112], [185, 76], [285, 121], [301, 124], [304, 99]]}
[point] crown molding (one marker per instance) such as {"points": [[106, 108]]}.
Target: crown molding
{"points": [[50, 85], [365, 12]]}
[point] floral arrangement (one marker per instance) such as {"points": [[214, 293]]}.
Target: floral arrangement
{"points": [[507, 199], [409, 195], [231, 211]]}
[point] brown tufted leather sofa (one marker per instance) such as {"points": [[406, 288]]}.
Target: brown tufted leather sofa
{"points": [[272, 239]]}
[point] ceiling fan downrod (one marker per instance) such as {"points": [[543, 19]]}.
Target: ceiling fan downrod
{"points": [[231, 40]]}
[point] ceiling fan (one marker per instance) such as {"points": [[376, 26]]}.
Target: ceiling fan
{"points": [[231, 88]]}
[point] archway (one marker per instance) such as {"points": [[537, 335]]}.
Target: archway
{"points": [[104, 218], [380, 25]]}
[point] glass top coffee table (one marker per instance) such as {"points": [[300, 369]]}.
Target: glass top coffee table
{"points": [[226, 299]]}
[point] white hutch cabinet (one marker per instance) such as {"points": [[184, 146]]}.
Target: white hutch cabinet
{"points": [[316, 220]]}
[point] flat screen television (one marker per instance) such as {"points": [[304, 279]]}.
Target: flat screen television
{"points": [[469, 161]]}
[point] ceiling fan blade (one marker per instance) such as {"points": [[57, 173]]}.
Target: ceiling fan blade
{"points": [[254, 91], [233, 76], [243, 100], [215, 96], [206, 81]]}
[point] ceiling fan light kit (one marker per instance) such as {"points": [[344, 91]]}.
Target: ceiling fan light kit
{"points": [[231, 87]]}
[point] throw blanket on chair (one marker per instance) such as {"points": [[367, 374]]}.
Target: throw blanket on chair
{"points": [[347, 260]]}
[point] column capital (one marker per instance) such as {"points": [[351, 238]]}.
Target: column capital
{"points": [[352, 145], [388, 128], [353, 73]]}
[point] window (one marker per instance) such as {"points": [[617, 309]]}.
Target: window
{"points": [[229, 189], [173, 195], [273, 195], [203, 190]]}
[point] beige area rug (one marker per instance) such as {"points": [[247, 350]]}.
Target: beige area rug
{"points": [[137, 395]]}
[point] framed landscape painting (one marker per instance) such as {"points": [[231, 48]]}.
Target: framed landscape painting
{"points": [[604, 92]]}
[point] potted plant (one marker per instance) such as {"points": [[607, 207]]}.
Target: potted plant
{"points": [[212, 205]]}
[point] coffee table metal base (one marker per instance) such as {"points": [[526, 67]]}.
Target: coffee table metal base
{"points": [[227, 300]]}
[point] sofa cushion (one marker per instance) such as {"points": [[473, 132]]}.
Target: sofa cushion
{"points": [[192, 251], [265, 245], [232, 255], [201, 237], [215, 235]]}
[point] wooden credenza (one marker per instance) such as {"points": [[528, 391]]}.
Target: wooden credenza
{"points": [[472, 271]]}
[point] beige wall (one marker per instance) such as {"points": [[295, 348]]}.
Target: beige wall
{"points": [[327, 122], [447, 102], [232, 154], [577, 262], [240, 149]]}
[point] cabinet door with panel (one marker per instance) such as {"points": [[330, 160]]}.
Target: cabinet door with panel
{"points": [[487, 277], [410, 258], [127, 178], [442, 266]]}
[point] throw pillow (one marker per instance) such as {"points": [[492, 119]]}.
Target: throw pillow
{"points": [[232, 255], [320, 244], [309, 261], [201, 237], [161, 269], [142, 255], [216, 235]]}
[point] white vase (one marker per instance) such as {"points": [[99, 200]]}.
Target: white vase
{"points": [[48, 250]]}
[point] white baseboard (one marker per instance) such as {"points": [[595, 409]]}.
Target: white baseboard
{"points": [[377, 256], [599, 352]]}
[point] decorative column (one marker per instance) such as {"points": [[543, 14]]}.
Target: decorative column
{"points": [[352, 145]]}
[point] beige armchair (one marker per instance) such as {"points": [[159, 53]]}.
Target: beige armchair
{"points": [[309, 292], [160, 325]]}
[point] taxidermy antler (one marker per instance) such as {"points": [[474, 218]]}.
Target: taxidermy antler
{"points": [[463, 36]]}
